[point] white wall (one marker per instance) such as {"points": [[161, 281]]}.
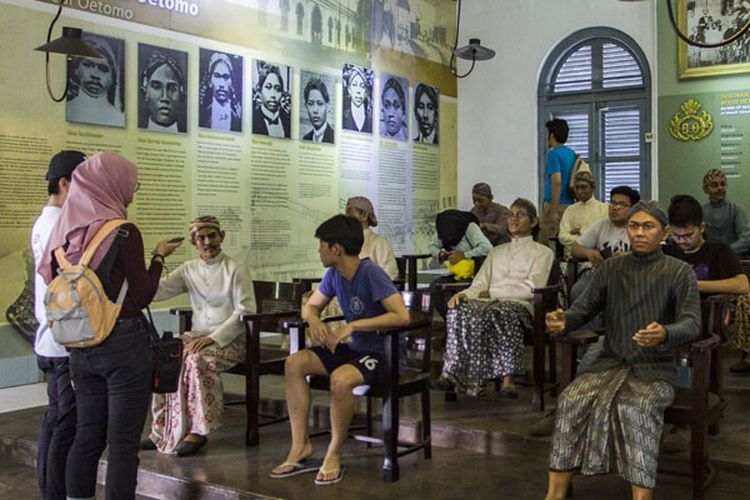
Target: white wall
{"points": [[497, 103]]}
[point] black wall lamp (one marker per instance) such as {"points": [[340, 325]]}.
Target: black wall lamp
{"points": [[473, 52], [70, 44]]}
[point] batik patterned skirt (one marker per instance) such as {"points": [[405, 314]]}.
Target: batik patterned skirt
{"points": [[198, 404], [610, 421], [485, 342]]}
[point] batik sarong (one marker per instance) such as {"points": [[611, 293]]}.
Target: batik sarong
{"points": [[610, 421], [484, 342], [197, 406], [741, 335]]}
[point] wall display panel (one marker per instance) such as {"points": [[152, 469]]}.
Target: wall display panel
{"points": [[394, 103], [220, 91], [317, 117], [162, 77], [725, 146], [96, 94], [270, 193]]}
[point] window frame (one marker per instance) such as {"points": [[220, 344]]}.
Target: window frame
{"points": [[548, 100]]}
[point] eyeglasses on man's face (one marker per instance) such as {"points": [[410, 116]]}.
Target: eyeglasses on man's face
{"points": [[619, 205]]}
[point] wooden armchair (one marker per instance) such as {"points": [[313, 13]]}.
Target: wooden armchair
{"points": [[415, 379], [697, 406], [410, 268]]}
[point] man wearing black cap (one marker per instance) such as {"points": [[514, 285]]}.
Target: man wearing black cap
{"points": [[59, 423]]}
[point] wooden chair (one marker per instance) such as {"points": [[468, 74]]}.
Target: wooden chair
{"points": [[271, 298], [410, 268], [415, 379], [696, 407], [544, 379]]}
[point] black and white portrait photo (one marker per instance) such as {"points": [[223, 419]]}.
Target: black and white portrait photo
{"points": [[393, 107], [272, 102], [162, 82], [316, 120], [356, 110], [220, 94], [711, 21], [96, 92], [426, 118]]}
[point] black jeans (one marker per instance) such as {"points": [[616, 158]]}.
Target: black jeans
{"points": [[113, 390], [58, 428]]}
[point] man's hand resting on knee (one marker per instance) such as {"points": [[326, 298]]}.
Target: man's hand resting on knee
{"points": [[197, 345]]}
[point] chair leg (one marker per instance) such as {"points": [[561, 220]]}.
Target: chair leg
{"points": [[537, 398], [450, 396], [498, 384], [552, 368], [698, 457], [390, 438], [426, 425], [368, 425], [252, 402]]}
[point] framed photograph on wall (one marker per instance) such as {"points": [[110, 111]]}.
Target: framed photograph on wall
{"points": [[162, 72], [96, 92], [220, 95], [318, 98], [272, 99], [426, 113], [356, 108], [710, 21], [394, 105]]}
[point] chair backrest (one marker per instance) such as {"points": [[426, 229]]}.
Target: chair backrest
{"points": [[401, 264], [419, 341], [274, 296]]}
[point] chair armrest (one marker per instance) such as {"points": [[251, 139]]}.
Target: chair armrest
{"points": [[705, 345], [416, 256], [262, 316], [298, 322], [721, 297], [453, 287], [417, 321], [546, 289], [578, 337]]}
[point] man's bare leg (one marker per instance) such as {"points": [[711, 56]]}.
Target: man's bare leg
{"points": [[296, 368], [641, 493], [343, 380], [558, 485]]}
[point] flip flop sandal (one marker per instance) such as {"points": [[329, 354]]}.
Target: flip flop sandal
{"points": [[302, 467], [337, 478]]}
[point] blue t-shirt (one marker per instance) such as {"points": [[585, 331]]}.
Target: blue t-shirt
{"points": [[360, 298], [559, 160]]}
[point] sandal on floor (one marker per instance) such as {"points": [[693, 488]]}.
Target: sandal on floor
{"points": [[302, 467], [187, 448], [337, 478]]}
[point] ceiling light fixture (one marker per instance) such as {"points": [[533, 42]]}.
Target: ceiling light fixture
{"points": [[473, 52], [69, 44]]}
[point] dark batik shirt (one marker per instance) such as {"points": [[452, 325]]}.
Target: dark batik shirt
{"points": [[633, 291]]}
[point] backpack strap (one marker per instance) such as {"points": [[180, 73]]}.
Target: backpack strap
{"points": [[62, 262], [100, 235]]}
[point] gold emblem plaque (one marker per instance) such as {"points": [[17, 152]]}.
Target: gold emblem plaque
{"points": [[691, 123]]}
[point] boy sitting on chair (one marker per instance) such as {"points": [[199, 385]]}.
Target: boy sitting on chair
{"points": [[370, 302]]}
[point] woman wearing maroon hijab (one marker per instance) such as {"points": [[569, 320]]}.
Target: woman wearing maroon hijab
{"points": [[113, 379]]}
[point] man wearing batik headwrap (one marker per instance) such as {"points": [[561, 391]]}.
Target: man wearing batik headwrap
{"points": [[610, 418], [220, 291], [725, 220], [493, 217]]}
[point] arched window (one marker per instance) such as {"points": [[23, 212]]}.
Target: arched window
{"points": [[284, 7], [598, 79], [300, 11], [330, 30], [317, 26]]}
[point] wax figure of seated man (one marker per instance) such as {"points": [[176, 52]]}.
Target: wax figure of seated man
{"points": [[370, 301], [485, 338], [613, 413], [220, 291], [581, 214]]}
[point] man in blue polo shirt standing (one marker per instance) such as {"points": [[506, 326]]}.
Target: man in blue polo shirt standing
{"points": [[370, 302], [557, 172]]}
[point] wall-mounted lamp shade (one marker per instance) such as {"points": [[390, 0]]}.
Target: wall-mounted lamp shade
{"points": [[474, 51], [70, 44]]}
